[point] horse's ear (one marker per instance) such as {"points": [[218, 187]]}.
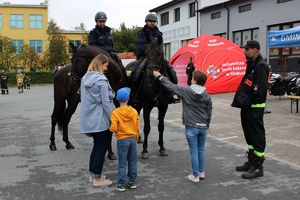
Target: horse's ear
{"points": [[73, 47]]}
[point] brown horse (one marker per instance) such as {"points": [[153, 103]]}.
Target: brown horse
{"points": [[67, 83]]}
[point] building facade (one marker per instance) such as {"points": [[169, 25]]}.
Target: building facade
{"points": [[177, 20], [236, 20], [27, 24], [243, 20]]}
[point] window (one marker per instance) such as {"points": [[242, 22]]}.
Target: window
{"points": [[167, 50], [164, 18], [0, 21], [16, 21], [177, 15], [184, 42], [35, 21], [241, 37], [244, 8], [18, 44], [76, 43], [192, 9], [283, 1], [215, 15], [36, 45]]}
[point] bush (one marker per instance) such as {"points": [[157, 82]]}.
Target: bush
{"points": [[36, 77]]}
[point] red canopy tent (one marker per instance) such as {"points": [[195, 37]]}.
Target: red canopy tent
{"points": [[222, 60]]}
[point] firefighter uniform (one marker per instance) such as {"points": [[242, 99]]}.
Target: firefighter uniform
{"points": [[20, 82], [251, 98]]}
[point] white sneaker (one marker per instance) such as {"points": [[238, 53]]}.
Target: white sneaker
{"points": [[202, 175], [91, 178], [101, 182], [193, 178]]}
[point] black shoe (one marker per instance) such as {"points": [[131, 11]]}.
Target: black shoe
{"points": [[111, 156], [254, 172], [243, 168]]}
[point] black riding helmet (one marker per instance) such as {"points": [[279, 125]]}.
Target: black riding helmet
{"points": [[100, 16], [151, 17]]}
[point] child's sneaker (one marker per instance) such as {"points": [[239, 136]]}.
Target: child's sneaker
{"points": [[121, 187], [202, 175], [193, 178], [131, 185]]}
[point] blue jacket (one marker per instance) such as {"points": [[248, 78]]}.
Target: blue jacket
{"points": [[144, 38], [96, 103], [101, 38]]}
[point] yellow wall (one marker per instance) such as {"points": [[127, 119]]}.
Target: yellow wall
{"points": [[26, 33]]}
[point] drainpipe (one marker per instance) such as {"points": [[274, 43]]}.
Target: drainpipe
{"points": [[228, 20], [197, 17]]}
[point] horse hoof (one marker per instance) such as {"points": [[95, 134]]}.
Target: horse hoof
{"points": [[69, 146], [145, 156], [140, 140], [163, 153], [52, 147]]}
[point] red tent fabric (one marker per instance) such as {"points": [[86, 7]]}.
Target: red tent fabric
{"points": [[222, 60]]}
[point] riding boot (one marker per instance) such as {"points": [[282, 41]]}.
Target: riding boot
{"points": [[256, 170], [245, 167]]}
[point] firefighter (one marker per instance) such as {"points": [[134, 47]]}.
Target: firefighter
{"points": [[251, 98], [4, 79]]}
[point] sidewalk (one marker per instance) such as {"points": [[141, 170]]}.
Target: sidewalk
{"points": [[29, 170]]}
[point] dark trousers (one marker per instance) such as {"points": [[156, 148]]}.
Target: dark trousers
{"points": [[4, 87], [253, 127], [189, 80], [101, 143]]}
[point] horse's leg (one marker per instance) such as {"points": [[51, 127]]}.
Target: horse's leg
{"points": [[72, 105], [57, 111], [162, 109], [140, 139], [146, 114]]}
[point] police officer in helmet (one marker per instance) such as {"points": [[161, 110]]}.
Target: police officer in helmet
{"points": [[144, 38], [100, 36]]}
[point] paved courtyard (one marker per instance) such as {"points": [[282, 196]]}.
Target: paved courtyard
{"points": [[29, 170]]}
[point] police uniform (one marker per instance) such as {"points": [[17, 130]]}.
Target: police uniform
{"points": [[101, 37], [251, 98]]}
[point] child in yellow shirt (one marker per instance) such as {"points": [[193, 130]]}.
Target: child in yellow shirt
{"points": [[125, 123]]}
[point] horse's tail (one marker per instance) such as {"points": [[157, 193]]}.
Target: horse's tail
{"points": [[60, 120]]}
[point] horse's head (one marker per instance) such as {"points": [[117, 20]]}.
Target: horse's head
{"points": [[84, 54], [155, 56]]}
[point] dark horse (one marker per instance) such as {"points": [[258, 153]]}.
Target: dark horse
{"points": [[67, 83], [151, 93]]}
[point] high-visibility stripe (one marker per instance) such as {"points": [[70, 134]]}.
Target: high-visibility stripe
{"points": [[250, 147], [259, 154], [259, 105]]}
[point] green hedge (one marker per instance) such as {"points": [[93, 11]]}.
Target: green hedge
{"points": [[36, 77]]}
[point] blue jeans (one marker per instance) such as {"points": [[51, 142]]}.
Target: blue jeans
{"points": [[127, 152], [101, 143], [196, 141]]}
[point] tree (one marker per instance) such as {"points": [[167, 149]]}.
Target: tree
{"points": [[7, 53], [56, 54], [29, 57], [125, 38], [85, 35]]}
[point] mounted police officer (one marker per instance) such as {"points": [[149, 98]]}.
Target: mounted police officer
{"points": [[251, 98], [144, 37], [101, 37]]}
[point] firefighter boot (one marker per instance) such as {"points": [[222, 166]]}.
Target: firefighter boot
{"points": [[256, 170], [245, 167]]}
